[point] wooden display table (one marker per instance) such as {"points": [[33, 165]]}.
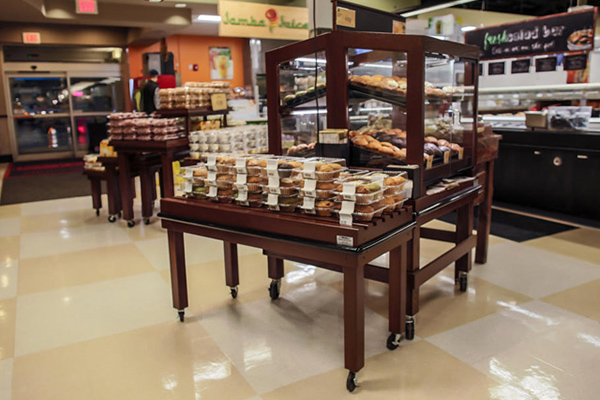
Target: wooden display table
{"points": [[189, 114], [318, 241], [168, 151], [111, 176]]}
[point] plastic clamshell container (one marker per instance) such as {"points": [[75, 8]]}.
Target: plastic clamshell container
{"points": [[321, 194], [323, 169], [194, 146], [393, 182]]}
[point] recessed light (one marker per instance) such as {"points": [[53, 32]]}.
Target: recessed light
{"points": [[180, 5], [155, 1], [468, 28], [209, 18]]}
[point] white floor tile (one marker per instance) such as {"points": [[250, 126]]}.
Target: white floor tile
{"points": [[52, 206], [71, 239], [55, 318], [6, 372], [298, 336], [9, 273], [10, 227], [533, 272]]}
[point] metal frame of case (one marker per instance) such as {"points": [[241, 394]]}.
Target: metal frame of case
{"points": [[336, 45]]}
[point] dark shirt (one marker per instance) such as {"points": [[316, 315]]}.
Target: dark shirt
{"points": [[148, 94]]}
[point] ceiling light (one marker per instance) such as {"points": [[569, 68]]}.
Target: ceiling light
{"points": [[155, 1], [180, 5], [468, 28], [424, 10], [209, 18]]}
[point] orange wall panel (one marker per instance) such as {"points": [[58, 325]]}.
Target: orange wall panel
{"points": [[190, 50]]}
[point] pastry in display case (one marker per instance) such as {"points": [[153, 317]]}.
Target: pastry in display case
{"points": [[402, 99]]}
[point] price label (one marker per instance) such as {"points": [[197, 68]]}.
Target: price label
{"points": [[211, 162], [346, 17], [241, 179], [349, 191], [346, 219], [309, 204], [240, 165], [461, 153], [242, 195], [187, 186], [212, 191], [446, 157], [218, 101], [212, 176], [429, 162], [272, 168], [188, 173], [345, 240], [309, 169], [310, 186]]}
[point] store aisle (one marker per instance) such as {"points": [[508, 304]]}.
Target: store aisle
{"points": [[85, 313]]}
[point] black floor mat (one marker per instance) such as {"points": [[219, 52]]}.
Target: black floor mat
{"points": [[25, 189], [516, 227]]}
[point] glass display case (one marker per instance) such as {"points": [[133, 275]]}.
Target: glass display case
{"points": [[404, 99]]}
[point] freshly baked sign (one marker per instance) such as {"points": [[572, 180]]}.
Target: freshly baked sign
{"points": [[267, 21], [558, 33]]}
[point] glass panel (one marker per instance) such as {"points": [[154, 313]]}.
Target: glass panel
{"points": [[44, 95], [303, 103], [97, 94], [377, 107], [43, 135], [90, 131]]}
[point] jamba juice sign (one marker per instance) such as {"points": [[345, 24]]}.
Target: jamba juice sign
{"points": [[255, 20]]}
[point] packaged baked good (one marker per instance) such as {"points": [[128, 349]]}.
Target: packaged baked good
{"points": [[323, 169]]}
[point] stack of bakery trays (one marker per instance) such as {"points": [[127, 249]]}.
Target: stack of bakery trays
{"points": [[362, 196], [249, 180], [318, 184], [240, 139], [137, 126]]}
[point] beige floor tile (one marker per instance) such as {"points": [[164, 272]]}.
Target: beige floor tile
{"points": [[6, 369], [68, 315], [81, 267], [165, 361], [59, 220], [10, 227], [583, 299], [10, 211], [9, 272], [417, 371], [58, 205], [8, 311], [146, 232], [583, 244], [10, 248]]}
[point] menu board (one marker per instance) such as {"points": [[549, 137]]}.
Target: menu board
{"points": [[496, 68], [576, 62], [545, 64], [520, 66], [556, 33]]}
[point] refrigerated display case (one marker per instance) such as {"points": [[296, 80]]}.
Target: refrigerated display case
{"points": [[405, 99]]}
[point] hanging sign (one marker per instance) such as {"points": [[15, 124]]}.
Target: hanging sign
{"points": [[266, 21], [520, 66], [547, 64], [356, 17], [496, 68], [556, 33], [576, 62]]}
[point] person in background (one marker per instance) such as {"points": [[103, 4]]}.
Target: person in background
{"points": [[138, 96], [150, 93]]}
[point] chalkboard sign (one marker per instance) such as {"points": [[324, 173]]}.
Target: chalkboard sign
{"points": [[556, 33], [354, 17], [576, 62], [520, 66], [496, 68], [545, 64], [480, 69]]}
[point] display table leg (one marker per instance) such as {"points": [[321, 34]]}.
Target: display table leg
{"points": [[96, 193], [397, 289], [464, 229], [413, 265], [161, 183], [484, 222], [127, 185], [232, 276], [114, 195], [167, 174], [275, 267], [178, 274], [354, 317], [146, 183]]}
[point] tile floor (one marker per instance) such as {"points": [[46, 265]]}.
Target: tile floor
{"points": [[85, 313]]}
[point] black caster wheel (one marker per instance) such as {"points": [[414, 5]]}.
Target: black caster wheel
{"points": [[181, 315], [97, 213], [393, 341], [147, 221], [351, 382], [234, 292], [274, 289], [112, 218], [463, 282], [131, 223], [410, 329]]}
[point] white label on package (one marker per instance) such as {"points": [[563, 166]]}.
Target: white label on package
{"points": [[347, 207], [272, 168], [212, 191], [345, 240], [188, 173], [187, 186], [242, 195], [308, 203], [241, 186], [310, 188], [309, 169], [348, 191], [240, 165], [211, 162], [345, 219], [241, 179], [212, 176], [272, 199], [273, 185]]}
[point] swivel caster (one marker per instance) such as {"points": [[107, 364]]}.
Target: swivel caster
{"points": [[97, 213], [147, 221], [112, 218], [234, 292], [463, 282], [181, 315], [393, 341], [131, 223], [410, 328], [274, 289], [351, 382]]}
